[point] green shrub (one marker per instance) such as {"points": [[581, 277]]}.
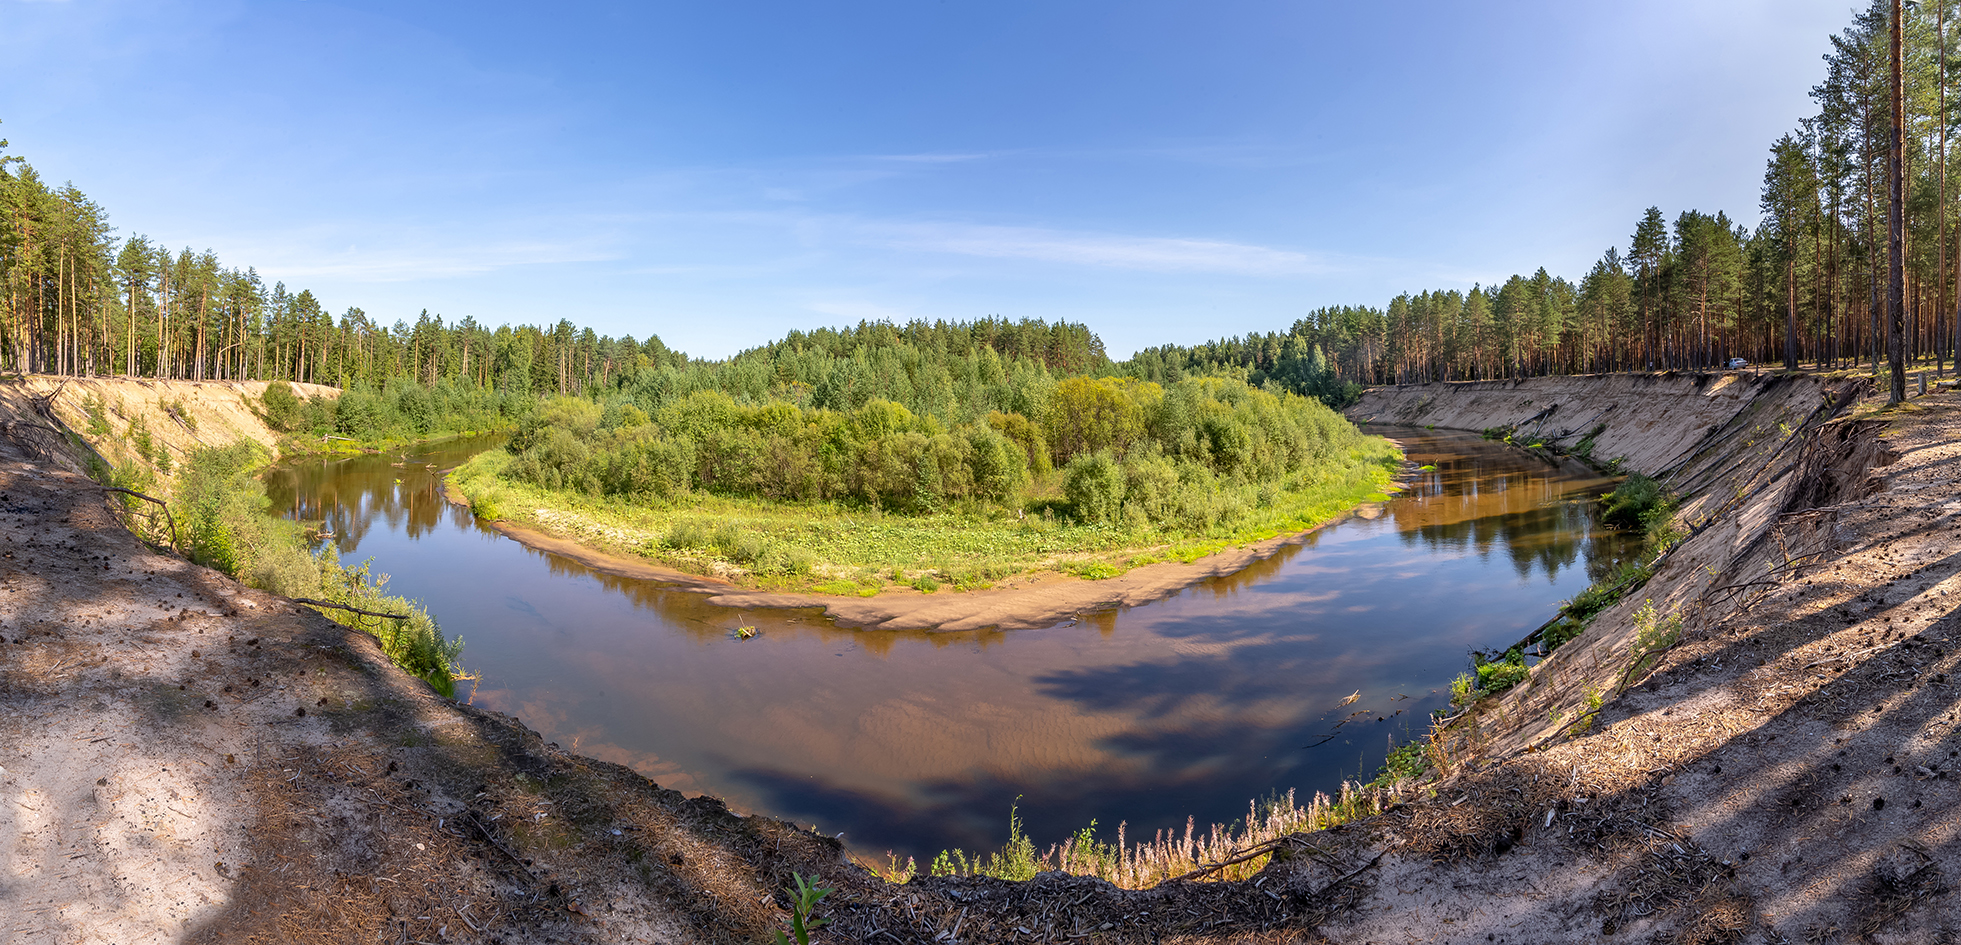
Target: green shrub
{"points": [[1016, 862], [218, 497], [1094, 485], [685, 534], [281, 406], [139, 438], [1636, 503], [1403, 762], [220, 508], [1503, 673], [98, 419]]}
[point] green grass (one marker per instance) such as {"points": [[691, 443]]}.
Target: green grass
{"points": [[840, 548]]}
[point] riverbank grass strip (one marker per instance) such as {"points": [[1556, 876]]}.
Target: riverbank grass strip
{"points": [[1225, 853], [846, 549]]}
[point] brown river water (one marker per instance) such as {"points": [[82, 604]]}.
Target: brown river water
{"points": [[915, 742]]}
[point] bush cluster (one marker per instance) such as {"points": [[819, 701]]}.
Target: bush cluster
{"points": [[1131, 452], [400, 410], [1638, 502]]}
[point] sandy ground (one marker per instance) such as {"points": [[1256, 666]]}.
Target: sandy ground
{"points": [[180, 416]]}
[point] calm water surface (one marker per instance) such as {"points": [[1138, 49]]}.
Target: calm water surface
{"points": [[915, 742]]}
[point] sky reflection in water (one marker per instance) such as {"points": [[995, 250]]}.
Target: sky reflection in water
{"points": [[915, 742]]}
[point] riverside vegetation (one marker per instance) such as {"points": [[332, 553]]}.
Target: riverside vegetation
{"points": [[218, 513], [847, 461], [1638, 503]]}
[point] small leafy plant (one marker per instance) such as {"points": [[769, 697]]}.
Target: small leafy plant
{"points": [[1653, 635], [803, 901], [1502, 673]]}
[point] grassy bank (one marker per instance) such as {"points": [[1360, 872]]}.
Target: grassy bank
{"points": [[838, 547], [1224, 852], [218, 517]]}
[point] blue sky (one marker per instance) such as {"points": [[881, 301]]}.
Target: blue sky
{"points": [[720, 173]]}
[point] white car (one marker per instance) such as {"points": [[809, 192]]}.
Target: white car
{"points": [[1735, 363]]}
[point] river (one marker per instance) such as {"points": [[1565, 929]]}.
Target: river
{"points": [[915, 742]]}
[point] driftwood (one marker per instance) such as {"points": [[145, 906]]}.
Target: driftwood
{"points": [[45, 405]]}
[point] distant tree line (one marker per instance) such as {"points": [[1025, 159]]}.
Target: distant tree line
{"points": [[1805, 284]]}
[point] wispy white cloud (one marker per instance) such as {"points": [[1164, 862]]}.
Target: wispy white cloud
{"points": [[409, 263], [1155, 254]]}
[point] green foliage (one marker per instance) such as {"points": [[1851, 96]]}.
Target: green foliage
{"points": [[400, 411], [1584, 448], [98, 419], [1092, 570], [1016, 861], [841, 544], [1638, 502], [215, 500], [1502, 673], [1191, 458], [281, 406], [1403, 762], [176, 410], [1094, 485], [1607, 592], [1464, 690], [140, 439], [1594, 698], [220, 508], [803, 901], [1654, 633]]}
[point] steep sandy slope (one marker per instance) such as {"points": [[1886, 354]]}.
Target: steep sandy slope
{"points": [[178, 416], [1784, 772], [1654, 423]]}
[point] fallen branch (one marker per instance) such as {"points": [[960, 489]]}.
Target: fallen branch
{"points": [[159, 503], [470, 817], [45, 405], [365, 613]]}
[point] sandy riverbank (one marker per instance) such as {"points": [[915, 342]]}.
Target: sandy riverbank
{"points": [[1022, 602]]}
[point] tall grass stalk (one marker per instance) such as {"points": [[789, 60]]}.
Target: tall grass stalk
{"points": [[1169, 854]]}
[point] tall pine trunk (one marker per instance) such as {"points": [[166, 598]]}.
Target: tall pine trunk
{"points": [[1896, 218]]}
